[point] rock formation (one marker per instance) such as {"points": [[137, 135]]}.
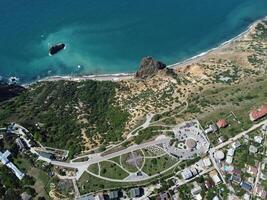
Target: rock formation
{"points": [[149, 67]]}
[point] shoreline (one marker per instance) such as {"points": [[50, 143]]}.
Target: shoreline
{"points": [[126, 76]]}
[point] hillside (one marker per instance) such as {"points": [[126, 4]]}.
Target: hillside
{"points": [[82, 115]]}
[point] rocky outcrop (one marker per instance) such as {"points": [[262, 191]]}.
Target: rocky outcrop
{"points": [[149, 67], [9, 91]]}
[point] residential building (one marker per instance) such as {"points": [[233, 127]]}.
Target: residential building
{"points": [[235, 179], [258, 139], [136, 192], [163, 196], [236, 144], [246, 186], [196, 189], [253, 149], [259, 113], [20, 144], [222, 123], [215, 177], [252, 170], [260, 192], [113, 195]]}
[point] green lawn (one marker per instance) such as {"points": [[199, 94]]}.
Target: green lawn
{"points": [[156, 165], [111, 170], [94, 168]]}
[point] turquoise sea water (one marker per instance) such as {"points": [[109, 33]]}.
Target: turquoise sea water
{"points": [[111, 36]]}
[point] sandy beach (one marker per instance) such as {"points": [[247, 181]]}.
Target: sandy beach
{"points": [[127, 76]]}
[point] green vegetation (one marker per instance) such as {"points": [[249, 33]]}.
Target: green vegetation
{"points": [[57, 106], [111, 170], [147, 134], [154, 166], [94, 168]]}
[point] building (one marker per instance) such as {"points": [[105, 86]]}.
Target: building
{"points": [[215, 177], [10, 165], [235, 179], [211, 129], [196, 189], [86, 197], [189, 173], [229, 160], [246, 186], [20, 144], [207, 162], [163, 196], [253, 149], [113, 195], [258, 139], [136, 192], [100, 196], [252, 170], [246, 196], [221, 139], [222, 123], [260, 192], [219, 155], [236, 144], [258, 114], [209, 184]]}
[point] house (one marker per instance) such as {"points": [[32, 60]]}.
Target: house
{"points": [[209, 184], [231, 152], [198, 197], [207, 162], [252, 170], [246, 196], [20, 144], [189, 173], [222, 123], [236, 144], [215, 177], [253, 149], [235, 179], [246, 186], [258, 139], [163, 196], [211, 129], [86, 197], [25, 196], [113, 194], [221, 139], [136, 192], [258, 114], [196, 189], [260, 192], [100, 196], [229, 160]]}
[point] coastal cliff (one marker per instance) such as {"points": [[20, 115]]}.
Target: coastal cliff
{"points": [[149, 67], [9, 91]]}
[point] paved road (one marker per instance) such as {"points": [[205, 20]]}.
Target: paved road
{"points": [[82, 166], [240, 135]]}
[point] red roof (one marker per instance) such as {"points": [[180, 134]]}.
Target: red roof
{"points": [[222, 123], [257, 114]]}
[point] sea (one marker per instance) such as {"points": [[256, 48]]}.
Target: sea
{"points": [[112, 36]]}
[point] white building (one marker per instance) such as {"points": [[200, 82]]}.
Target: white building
{"points": [[258, 139], [5, 161]]}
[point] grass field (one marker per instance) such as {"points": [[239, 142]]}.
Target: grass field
{"points": [[94, 168], [154, 166], [111, 170]]}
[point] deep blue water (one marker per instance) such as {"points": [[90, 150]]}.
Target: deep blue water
{"points": [[111, 36]]}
